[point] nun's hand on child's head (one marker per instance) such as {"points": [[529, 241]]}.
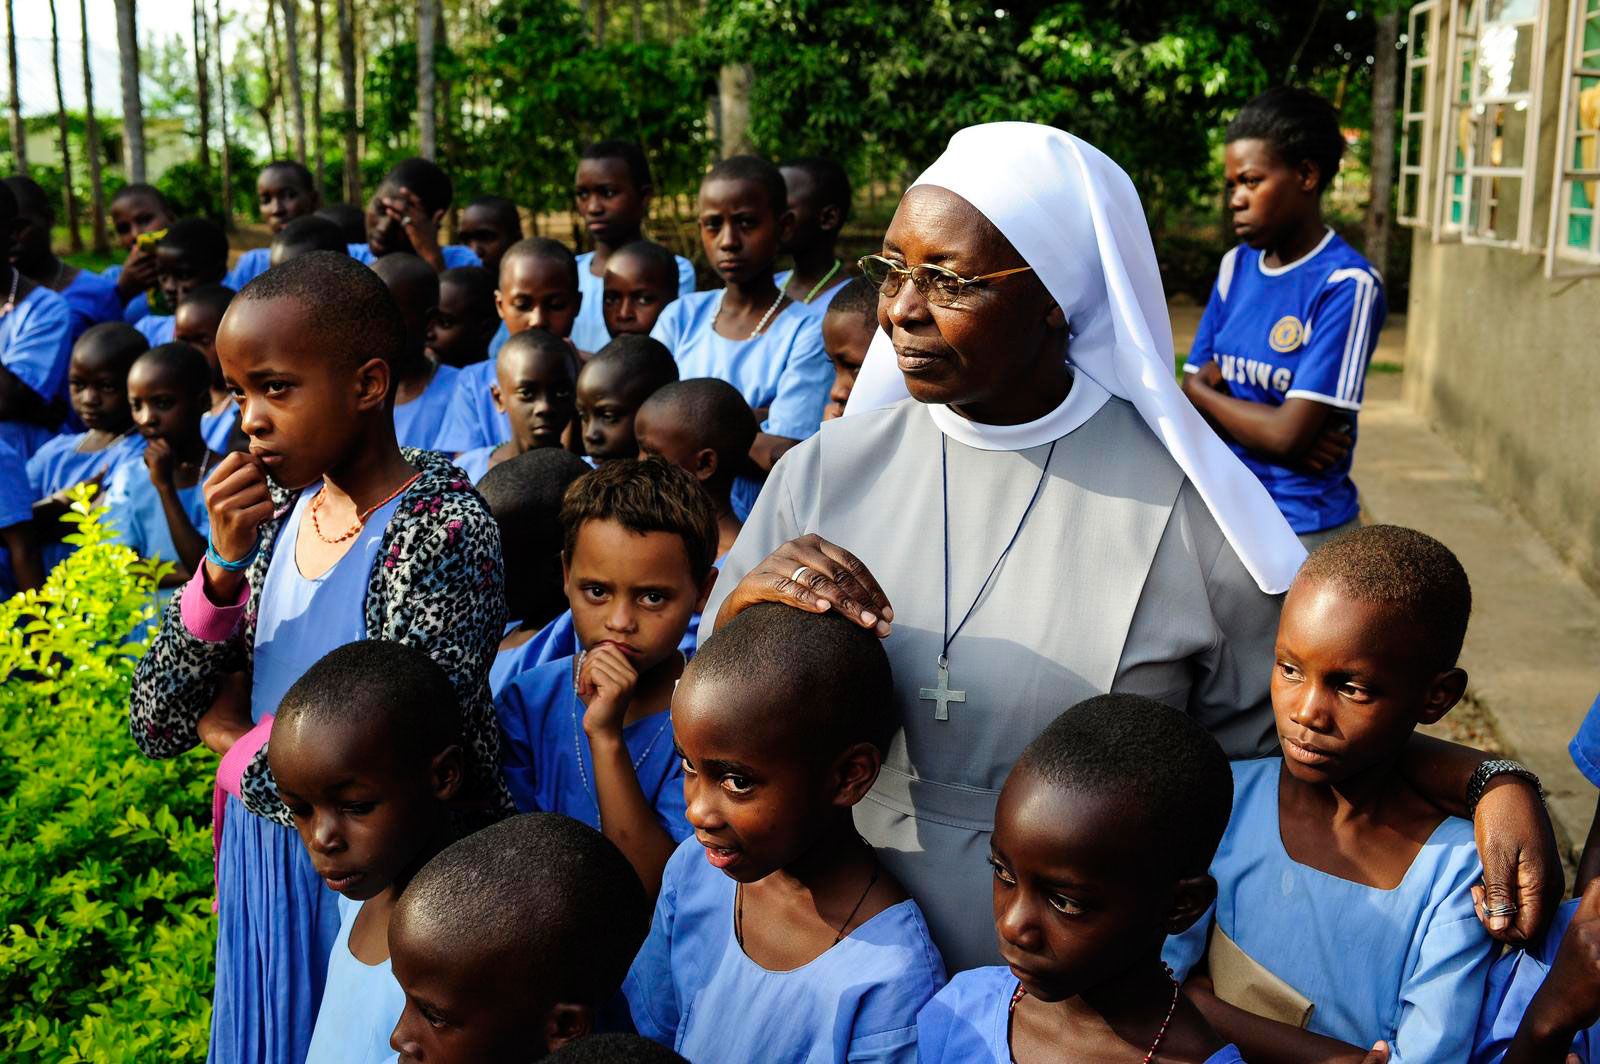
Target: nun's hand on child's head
{"points": [[813, 575], [605, 684], [1521, 863], [237, 502]]}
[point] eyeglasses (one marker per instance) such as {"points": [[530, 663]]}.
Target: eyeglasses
{"points": [[937, 285]]}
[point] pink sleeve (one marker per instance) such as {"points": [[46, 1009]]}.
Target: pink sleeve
{"points": [[206, 620]]}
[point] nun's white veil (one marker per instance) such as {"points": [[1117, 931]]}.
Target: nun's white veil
{"points": [[1075, 217]]}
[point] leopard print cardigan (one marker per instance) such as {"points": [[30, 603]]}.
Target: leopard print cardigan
{"points": [[437, 584]]}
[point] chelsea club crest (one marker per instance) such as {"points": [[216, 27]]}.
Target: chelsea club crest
{"points": [[1287, 334]]}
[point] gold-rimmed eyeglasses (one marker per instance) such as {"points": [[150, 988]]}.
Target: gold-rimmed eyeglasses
{"points": [[937, 285]]}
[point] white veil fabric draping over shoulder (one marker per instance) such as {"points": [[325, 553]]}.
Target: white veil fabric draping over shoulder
{"points": [[1075, 217]]}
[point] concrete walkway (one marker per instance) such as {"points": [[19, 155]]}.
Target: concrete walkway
{"points": [[1531, 650]]}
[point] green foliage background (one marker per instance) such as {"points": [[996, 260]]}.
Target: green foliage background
{"points": [[105, 856]]}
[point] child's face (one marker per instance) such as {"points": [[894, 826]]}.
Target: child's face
{"points": [[635, 294], [534, 389], [300, 404], [1267, 197], [1076, 898], [162, 408], [607, 403], [282, 198], [178, 273], [484, 232], [132, 215], [611, 205], [98, 388], [845, 338], [634, 591], [196, 324], [661, 435], [757, 799], [365, 812], [456, 336], [1347, 687], [460, 1006], [741, 233], [537, 293]]}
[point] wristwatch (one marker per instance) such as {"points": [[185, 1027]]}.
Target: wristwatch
{"points": [[1497, 767]]}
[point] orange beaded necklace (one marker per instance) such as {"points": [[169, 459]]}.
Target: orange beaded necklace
{"points": [[361, 518]]}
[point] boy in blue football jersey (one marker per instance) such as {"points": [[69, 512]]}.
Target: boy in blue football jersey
{"points": [[1279, 363]]}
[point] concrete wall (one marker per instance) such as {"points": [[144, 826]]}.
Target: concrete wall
{"points": [[1506, 364]]}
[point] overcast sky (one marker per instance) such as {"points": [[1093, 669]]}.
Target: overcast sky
{"points": [[158, 19]]}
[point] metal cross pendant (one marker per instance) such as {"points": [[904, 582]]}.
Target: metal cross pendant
{"points": [[942, 694]]}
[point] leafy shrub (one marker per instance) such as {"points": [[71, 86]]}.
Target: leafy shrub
{"points": [[105, 856]]}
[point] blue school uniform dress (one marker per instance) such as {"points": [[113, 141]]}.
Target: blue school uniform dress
{"points": [[135, 308], [416, 424], [1405, 965], [16, 507], [693, 988], [969, 1021], [92, 300], [59, 464], [158, 328], [819, 305], [475, 463], [361, 1003], [276, 919], [1302, 331], [35, 346], [138, 517], [251, 264], [558, 639], [471, 419], [453, 254], [1513, 981], [545, 757], [589, 332], [217, 428]]}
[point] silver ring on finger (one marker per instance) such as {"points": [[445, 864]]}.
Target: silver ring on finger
{"points": [[799, 572], [1508, 909]]}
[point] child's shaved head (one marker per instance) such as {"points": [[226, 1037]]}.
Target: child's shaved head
{"points": [[344, 302], [538, 247], [683, 418]]}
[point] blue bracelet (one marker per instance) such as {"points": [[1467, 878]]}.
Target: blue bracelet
{"points": [[224, 564]]}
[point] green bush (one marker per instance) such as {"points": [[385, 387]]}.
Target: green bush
{"points": [[105, 856]]}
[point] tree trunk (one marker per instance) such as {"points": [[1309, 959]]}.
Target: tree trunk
{"points": [[446, 109], [347, 75], [276, 80], [19, 136], [202, 83], [297, 98], [222, 121], [97, 188], [132, 108], [69, 199], [599, 23], [317, 163], [1385, 84], [733, 91], [427, 117], [638, 21]]}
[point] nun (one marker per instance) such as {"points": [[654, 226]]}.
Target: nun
{"points": [[1022, 503]]}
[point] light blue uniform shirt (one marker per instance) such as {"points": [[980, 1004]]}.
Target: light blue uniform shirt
{"points": [[545, 758], [475, 463], [453, 254], [16, 507], [471, 419], [59, 464], [693, 988], [92, 300], [140, 520], [558, 639], [218, 427], [361, 1003], [251, 264], [416, 424], [783, 370], [589, 332], [1405, 965], [1513, 981], [818, 306], [301, 620], [35, 345], [158, 328], [969, 1021]]}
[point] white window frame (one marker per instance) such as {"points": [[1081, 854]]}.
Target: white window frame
{"points": [[1561, 259], [1414, 114], [1465, 32]]}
